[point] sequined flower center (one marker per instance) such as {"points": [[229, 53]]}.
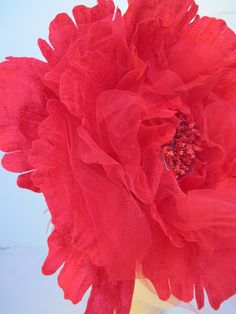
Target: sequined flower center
{"points": [[181, 152]]}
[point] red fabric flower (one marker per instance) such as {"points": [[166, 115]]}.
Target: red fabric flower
{"points": [[128, 129]]}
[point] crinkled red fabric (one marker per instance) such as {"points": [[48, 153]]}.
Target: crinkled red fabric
{"points": [[86, 128]]}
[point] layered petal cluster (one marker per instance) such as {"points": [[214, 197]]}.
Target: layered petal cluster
{"points": [[128, 129]]}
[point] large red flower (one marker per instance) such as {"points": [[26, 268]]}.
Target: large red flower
{"points": [[128, 129]]}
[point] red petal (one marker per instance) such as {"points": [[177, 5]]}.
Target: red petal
{"points": [[84, 15], [23, 100], [117, 121], [58, 252], [76, 276], [122, 234], [223, 114], [46, 49], [79, 89], [210, 50], [22, 103], [16, 162], [170, 269], [206, 221], [62, 31], [24, 181], [172, 14], [55, 178], [109, 297], [219, 272]]}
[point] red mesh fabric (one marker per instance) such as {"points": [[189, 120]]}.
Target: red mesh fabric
{"points": [[87, 129]]}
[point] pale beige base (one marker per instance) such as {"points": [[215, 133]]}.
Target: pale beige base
{"points": [[147, 302]]}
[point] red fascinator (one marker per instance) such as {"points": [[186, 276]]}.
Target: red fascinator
{"points": [[128, 129]]}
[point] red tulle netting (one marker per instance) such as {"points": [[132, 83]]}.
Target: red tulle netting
{"points": [[128, 129]]}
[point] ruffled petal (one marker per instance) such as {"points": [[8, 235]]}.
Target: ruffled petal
{"points": [[120, 232], [226, 88], [212, 45], [25, 181], [132, 121], [172, 14], [198, 227], [168, 277], [79, 89], [22, 109], [65, 181], [16, 162], [85, 15], [223, 114], [76, 276], [53, 173], [22, 103], [110, 296], [58, 251], [83, 82], [62, 31]]}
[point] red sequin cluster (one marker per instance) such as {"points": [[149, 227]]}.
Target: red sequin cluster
{"points": [[181, 152]]}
